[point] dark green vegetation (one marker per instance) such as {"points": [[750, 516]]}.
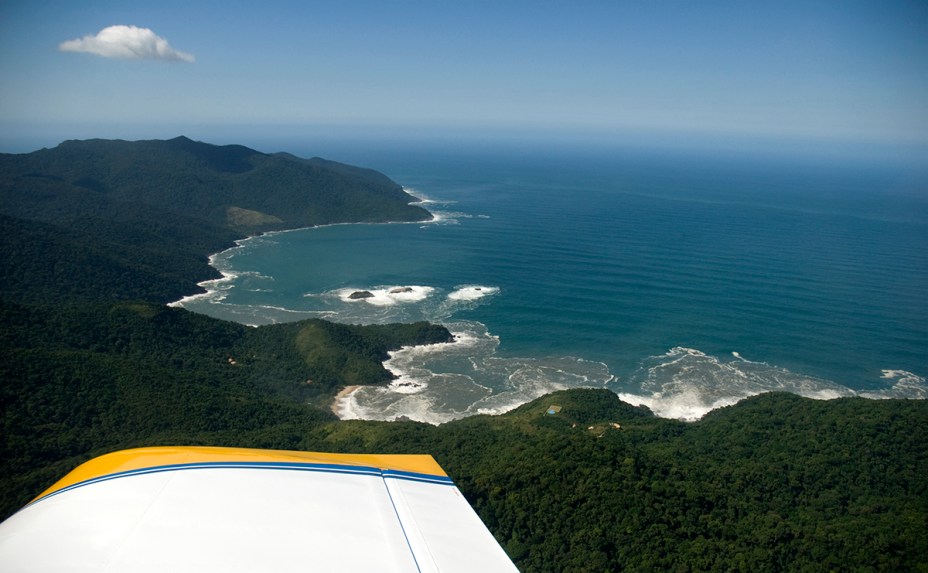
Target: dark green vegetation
{"points": [[92, 361], [199, 181], [97, 235], [82, 380], [124, 220], [776, 483]]}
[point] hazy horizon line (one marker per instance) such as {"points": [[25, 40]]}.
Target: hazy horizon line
{"points": [[22, 137]]}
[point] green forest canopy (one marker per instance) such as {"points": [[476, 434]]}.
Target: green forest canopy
{"points": [[98, 235]]}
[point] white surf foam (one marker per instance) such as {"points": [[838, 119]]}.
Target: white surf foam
{"points": [[902, 376], [422, 198], [475, 292], [532, 378], [386, 296], [687, 406], [439, 216], [443, 217], [442, 382], [407, 363], [437, 383], [686, 384], [905, 384], [216, 290]]}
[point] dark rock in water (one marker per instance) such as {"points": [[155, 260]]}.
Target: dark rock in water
{"points": [[399, 290], [358, 294]]}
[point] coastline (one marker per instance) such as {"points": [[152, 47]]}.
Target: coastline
{"points": [[342, 395], [211, 286]]}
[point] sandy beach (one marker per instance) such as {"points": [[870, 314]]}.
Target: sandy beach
{"points": [[342, 394]]}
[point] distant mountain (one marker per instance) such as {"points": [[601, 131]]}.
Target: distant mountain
{"points": [[229, 186], [101, 219]]}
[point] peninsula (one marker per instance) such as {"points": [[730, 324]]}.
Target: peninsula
{"points": [[138, 220]]}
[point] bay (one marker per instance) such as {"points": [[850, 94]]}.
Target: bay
{"points": [[682, 282]]}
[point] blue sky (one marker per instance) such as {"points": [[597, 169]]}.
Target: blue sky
{"points": [[837, 70]]}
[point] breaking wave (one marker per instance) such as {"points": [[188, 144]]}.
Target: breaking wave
{"points": [[904, 385], [441, 382], [386, 296], [472, 292], [438, 383], [686, 384], [441, 214]]}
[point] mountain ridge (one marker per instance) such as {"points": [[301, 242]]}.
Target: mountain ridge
{"points": [[204, 180], [172, 202]]}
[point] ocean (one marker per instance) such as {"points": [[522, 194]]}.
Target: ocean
{"points": [[682, 281]]}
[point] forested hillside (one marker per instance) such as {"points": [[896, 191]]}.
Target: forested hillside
{"points": [[118, 220], [775, 483], [95, 236], [229, 186], [91, 360], [85, 379]]}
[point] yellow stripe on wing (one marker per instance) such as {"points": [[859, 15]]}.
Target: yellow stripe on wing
{"points": [[142, 458]]}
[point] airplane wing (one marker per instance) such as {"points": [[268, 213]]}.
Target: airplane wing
{"points": [[230, 509]]}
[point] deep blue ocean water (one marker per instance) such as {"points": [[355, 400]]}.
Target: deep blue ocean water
{"points": [[682, 282]]}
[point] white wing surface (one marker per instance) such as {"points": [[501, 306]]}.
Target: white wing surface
{"points": [[227, 509]]}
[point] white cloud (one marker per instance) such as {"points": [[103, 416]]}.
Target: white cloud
{"points": [[128, 42]]}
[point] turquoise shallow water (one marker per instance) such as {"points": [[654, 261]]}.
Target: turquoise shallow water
{"points": [[683, 283]]}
